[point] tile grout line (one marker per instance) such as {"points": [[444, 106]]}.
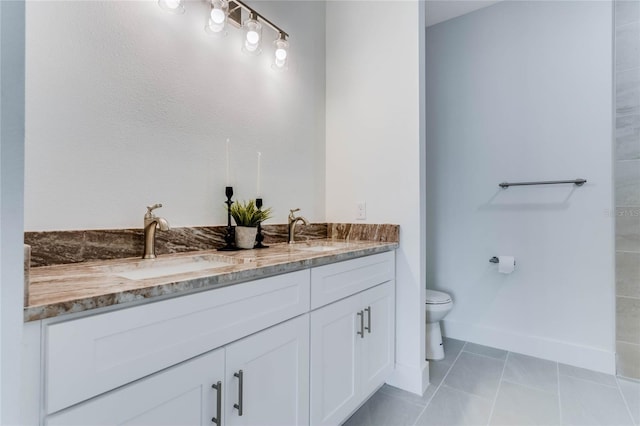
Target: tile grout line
{"points": [[495, 398], [440, 384], [559, 399], [487, 356], [624, 399], [624, 115], [627, 297], [395, 396]]}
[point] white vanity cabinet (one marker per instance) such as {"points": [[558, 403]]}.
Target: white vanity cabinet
{"points": [[352, 341], [259, 380], [300, 348]]}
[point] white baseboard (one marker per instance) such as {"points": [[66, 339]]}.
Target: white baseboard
{"points": [[409, 378], [554, 350]]}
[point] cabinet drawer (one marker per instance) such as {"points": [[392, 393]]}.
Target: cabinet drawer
{"points": [[89, 356], [338, 280]]}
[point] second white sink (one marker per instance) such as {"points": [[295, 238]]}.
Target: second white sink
{"points": [[319, 246], [316, 248]]}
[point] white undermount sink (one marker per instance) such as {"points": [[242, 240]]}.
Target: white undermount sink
{"points": [[316, 248], [162, 267], [160, 271], [319, 246]]}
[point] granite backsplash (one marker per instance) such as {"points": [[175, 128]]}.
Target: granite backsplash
{"points": [[62, 247]]}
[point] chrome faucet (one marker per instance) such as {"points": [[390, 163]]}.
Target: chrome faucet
{"points": [[292, 224], [151, 223]]}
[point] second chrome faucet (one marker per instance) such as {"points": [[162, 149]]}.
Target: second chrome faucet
{"points": [[293, 220]]}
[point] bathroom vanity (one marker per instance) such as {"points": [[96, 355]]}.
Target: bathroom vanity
{"points": [[284, 336]]}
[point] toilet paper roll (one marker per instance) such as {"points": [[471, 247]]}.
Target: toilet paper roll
{"points": [[506, 264]]}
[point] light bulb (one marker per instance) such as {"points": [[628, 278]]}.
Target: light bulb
{"points": [[172, 6], [217, 16], [281, 54], [253, 37]]}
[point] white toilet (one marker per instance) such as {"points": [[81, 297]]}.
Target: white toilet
{"points": [[438, 306]]}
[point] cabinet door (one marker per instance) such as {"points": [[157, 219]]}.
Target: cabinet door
{"points": [[275, 376], [335, 352], [379, 342], [181, 395]]}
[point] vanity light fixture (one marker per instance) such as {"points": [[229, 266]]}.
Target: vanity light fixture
{"points": [[231, 11], [172, 6], [218, 17]]}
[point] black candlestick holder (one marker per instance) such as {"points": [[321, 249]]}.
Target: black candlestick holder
{"points": [[230, 236], [259, 236]]}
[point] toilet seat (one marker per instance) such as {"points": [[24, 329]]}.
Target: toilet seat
{"points": [[437, 297]]}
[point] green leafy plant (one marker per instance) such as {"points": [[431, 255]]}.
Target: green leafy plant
{"points": [[247, 214]]}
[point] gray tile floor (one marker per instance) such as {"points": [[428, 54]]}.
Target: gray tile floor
{"points": [[479, 385]]}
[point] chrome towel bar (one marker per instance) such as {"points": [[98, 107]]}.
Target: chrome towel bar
{"points": [[577, 182]]}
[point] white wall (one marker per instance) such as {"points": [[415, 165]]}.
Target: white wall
{"points": [[521, 91], [128, 105], [12, 23], [373, 145]]}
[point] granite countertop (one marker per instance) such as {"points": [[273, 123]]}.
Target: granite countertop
{"points": [[64, 289]]}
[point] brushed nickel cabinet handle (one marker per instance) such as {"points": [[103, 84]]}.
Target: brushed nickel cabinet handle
{"points": [[361, 332], [240, 377], [368, 311], [218, 418]]}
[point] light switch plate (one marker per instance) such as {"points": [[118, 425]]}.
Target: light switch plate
{"points": [[361, 210]]}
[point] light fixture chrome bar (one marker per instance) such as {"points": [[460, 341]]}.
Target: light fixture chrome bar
{"points": [[577, 182], [235, 16]]}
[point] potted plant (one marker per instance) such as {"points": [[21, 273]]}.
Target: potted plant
{"points": [[247, 216]]}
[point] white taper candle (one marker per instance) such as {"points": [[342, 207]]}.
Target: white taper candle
{"points": [[258, 178], [227, 163]]}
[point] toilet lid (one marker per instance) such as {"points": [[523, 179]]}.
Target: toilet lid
{"points": [[437, 297]]}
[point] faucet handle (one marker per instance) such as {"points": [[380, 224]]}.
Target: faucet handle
{"points": [[291, 212], [151, 208]]}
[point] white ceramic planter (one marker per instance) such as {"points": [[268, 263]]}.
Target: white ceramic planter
{"points": [[246, 237]]}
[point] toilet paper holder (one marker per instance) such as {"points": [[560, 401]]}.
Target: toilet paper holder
{"points": [[495, 259]]}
